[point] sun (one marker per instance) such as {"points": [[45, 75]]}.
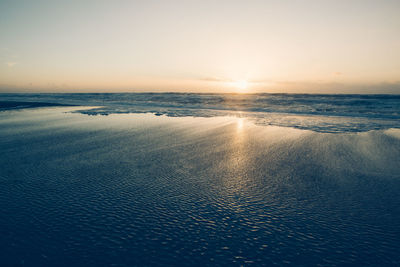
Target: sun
{"points": [[241, 85]]}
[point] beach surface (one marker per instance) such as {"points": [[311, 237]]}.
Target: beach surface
{"points": [[141, 189]]}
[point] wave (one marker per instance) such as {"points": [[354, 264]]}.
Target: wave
{"points": [[321, 113]]}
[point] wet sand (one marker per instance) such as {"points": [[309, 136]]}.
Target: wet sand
{"points": [[140, 189]]}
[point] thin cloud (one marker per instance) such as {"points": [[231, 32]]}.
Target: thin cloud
{"points": [[11, 64], [213, 79], [335, 87]]}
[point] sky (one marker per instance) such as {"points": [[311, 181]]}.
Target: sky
{"points": [[314, 46]]}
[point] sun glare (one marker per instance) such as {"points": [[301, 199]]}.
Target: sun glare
{"points": [[241, 85]]}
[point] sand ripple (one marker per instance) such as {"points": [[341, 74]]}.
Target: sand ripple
{"points": [[143, 190]]}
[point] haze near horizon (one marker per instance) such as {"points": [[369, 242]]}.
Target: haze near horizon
{"points": [[200, 46]]}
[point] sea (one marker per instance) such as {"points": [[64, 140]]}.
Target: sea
{"points": [[184, 179]]}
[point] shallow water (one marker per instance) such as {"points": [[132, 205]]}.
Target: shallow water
{"points": [[139, 189], [320, 113]]}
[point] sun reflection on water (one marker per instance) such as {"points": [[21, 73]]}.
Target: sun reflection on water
{"points": [[236, 179], [240, 124]]}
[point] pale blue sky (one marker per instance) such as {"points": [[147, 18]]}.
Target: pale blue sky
{"points": [[213, 46]]}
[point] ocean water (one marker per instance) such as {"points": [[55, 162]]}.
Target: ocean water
{"points": [[207, 185], [322, 113]]}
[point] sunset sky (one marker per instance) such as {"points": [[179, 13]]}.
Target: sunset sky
{"points": [[315, 46]]}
